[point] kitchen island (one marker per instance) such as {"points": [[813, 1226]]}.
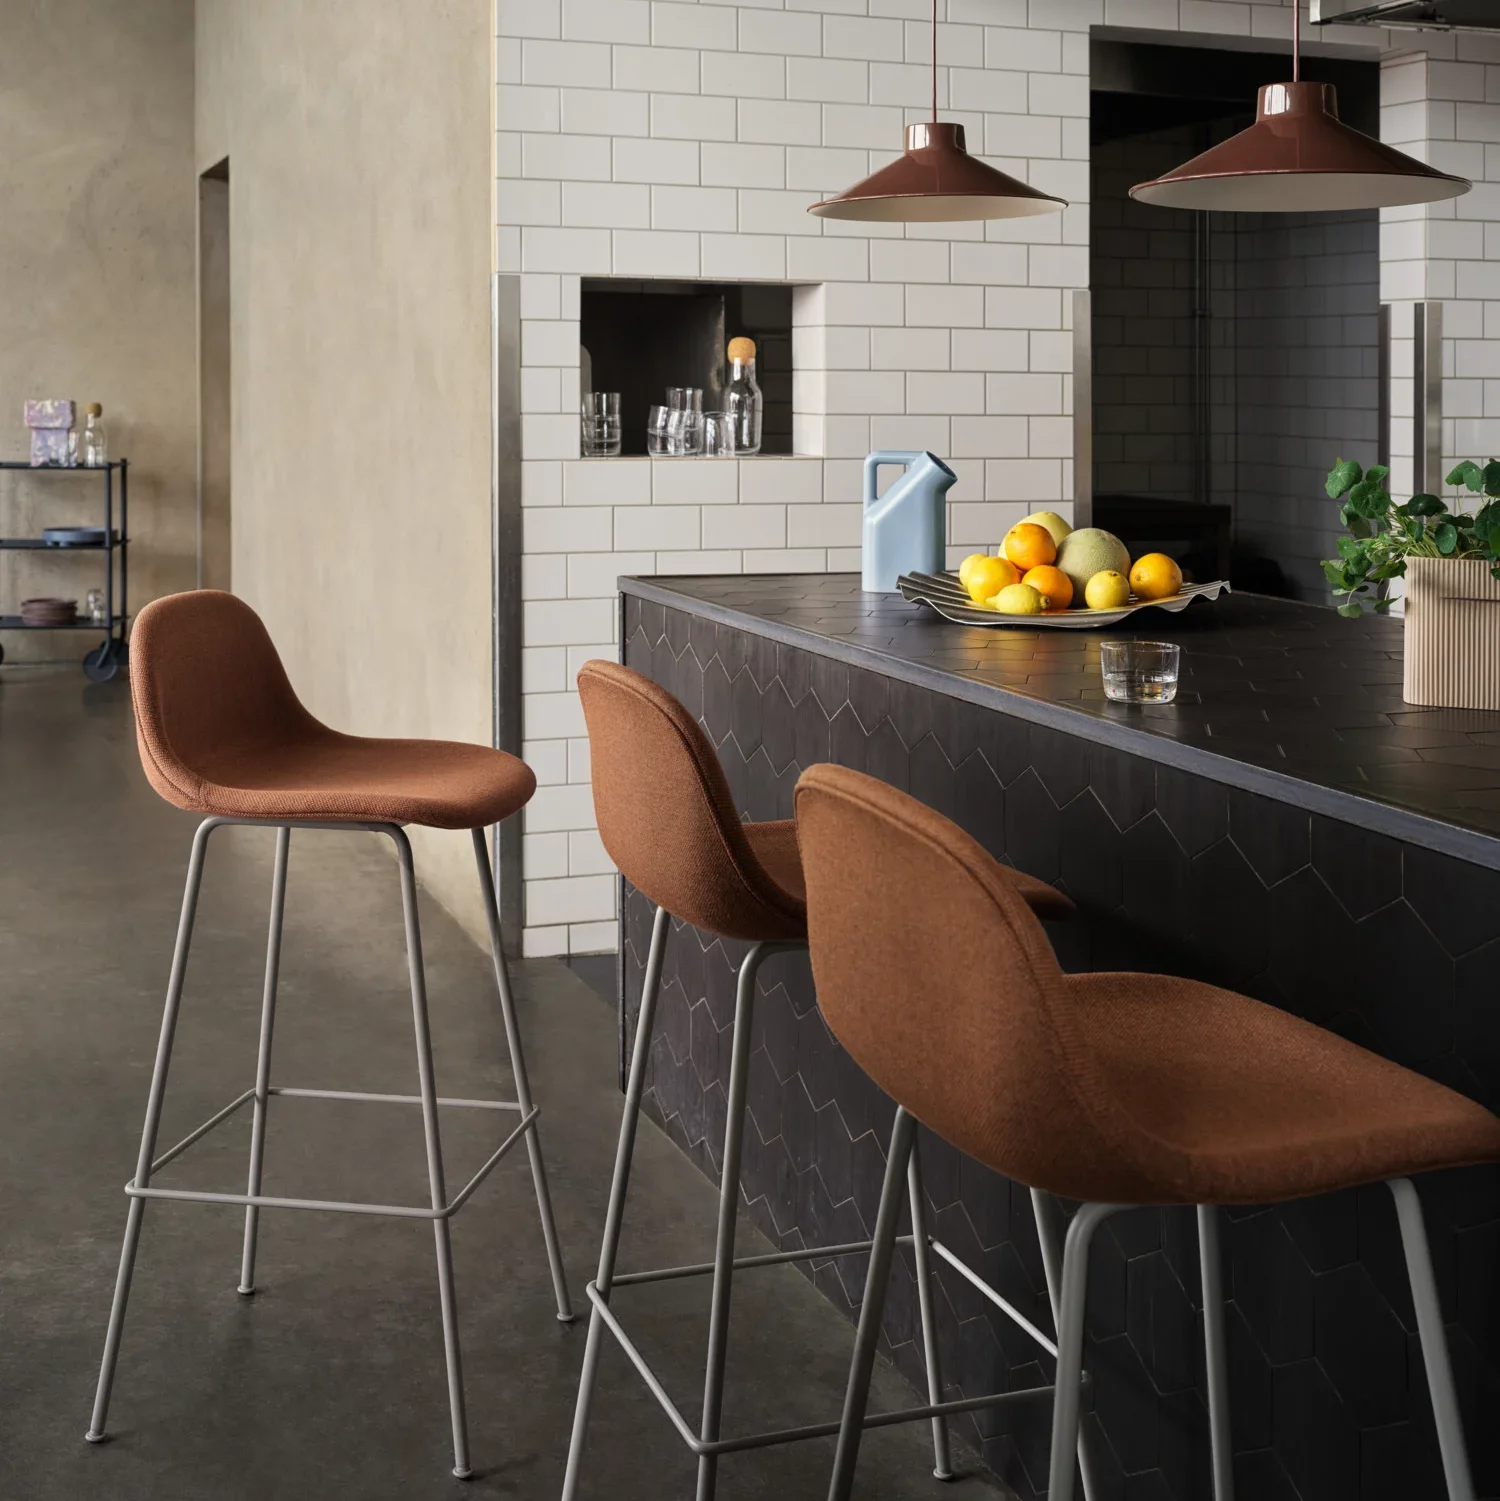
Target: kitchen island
{"points": [[1289, 828]]}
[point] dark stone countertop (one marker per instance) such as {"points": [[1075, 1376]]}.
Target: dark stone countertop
{"points": [[1288, 700]]}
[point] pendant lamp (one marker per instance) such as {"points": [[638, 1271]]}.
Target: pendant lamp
{"points": [[936, 180], [1299, 157]]}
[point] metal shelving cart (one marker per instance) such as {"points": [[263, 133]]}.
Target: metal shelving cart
{"points": [[106, 659]]}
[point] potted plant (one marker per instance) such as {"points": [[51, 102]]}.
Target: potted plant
{"points": [[1450, 561]]}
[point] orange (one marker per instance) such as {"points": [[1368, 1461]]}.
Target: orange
{"points": [[1028, 545], [1155, 576], [1052, 584]]}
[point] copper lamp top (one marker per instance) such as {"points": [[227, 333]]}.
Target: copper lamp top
{"points": [[936, 180], [1299, 157]]}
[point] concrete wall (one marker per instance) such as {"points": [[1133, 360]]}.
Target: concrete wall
{"points": [[96, 282], [358, 137]]}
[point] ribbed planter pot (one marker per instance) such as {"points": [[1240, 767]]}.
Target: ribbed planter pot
{"points": [[1452, 634]]}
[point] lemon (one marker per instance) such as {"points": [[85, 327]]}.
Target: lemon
{"points": [[1051, 522], [1155, 576], [1019, 599], [984, 576], [1107, 590]]}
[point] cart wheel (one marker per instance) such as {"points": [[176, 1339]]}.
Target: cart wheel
{"points": [[101, 664]]}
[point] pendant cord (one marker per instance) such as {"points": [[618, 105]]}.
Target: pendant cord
{"points": [[934, 62], [1296, 41]]}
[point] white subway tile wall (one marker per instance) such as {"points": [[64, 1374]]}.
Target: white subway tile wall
{"points": [[645, 138]]}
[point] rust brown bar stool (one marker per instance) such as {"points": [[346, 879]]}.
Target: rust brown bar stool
{"points": [[1115, 1090], [668, 821], [222, 733]]}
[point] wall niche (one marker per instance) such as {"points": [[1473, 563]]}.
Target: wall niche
{"points": [[643, 336]]}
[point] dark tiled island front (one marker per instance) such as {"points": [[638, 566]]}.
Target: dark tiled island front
{"points": [[1289, 828]]}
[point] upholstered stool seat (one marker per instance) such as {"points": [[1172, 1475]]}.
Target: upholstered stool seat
{"points": [[669, 822], [1110, 1089], [1247, 1104], [221, 733]]}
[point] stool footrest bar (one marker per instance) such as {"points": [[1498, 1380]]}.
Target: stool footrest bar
{"points": [[391, 1099], [770, 1258], [1009, 1310], [337, 1206], [788, 1435]]}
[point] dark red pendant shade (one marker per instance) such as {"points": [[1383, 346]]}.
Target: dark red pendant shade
{"points": [[936, 180], [1299, 157]]}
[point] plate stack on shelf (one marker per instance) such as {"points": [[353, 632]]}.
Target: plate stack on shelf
{"points": [[49, 611]]}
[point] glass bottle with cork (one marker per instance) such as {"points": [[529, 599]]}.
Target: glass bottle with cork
{"points": [[95, 444], [742, 398]]}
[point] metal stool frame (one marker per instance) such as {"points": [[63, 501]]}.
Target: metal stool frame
{"points": [[1067, 1285], [708, 1443], [441, 1209]]}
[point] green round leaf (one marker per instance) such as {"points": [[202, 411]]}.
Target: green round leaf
{"points": [[1344, 474], [1446, 537]]}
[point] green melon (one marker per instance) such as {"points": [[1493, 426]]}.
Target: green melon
{"points": [[1088, 551]]}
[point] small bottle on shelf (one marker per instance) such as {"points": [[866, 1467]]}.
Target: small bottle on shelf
{"points": [[742, 398], [95, 443]]}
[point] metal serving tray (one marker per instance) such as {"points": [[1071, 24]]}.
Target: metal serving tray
{"points": [[944, 593]]}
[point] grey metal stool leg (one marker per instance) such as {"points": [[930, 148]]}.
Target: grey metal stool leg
{"points": [[1044, 1210], [523, 1084], [1071, 1307], [1216, 1350], [1424, 1297], [263, 1059], [614, 1218], [862, 1366], [137, 1209], [729, 1203], [942, 1464], [440, 1232]]}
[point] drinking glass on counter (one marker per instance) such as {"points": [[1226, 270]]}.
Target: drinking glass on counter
{"points": [[656, 432], [719, 435], [1140, 672], [601, 424], [684, 420]]}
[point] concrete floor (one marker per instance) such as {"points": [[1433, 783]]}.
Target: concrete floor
{"points": [[329, 1383]]}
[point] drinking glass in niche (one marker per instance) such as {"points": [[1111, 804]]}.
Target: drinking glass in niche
{"points": [[601, 424], [656, 432], [719, 435], [742, 399], [684, 421]]}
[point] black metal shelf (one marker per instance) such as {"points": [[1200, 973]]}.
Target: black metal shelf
{"points": [[62, 468], [78, 623], [40, 544], [105, 660]]}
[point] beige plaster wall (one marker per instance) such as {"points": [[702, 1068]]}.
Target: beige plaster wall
{"points": [[97, 282], [358, 138]]}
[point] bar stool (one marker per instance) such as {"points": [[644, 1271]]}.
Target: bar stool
{"points": [[221, 732], [1112, 1089], [668, 821]]}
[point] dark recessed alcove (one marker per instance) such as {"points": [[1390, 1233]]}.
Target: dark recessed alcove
{"points": [[643, 336]]}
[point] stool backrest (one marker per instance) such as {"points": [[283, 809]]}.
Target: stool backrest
{"points": [[208, 687], [665, 812], [939, 981]]}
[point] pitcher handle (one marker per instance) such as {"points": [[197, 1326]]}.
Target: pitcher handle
{"points": [[884, 456]]}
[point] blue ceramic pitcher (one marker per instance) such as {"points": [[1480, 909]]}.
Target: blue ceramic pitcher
{"points": [[905, 529]]}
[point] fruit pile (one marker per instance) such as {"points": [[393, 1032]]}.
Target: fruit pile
{"points": [[1045, 565]]}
